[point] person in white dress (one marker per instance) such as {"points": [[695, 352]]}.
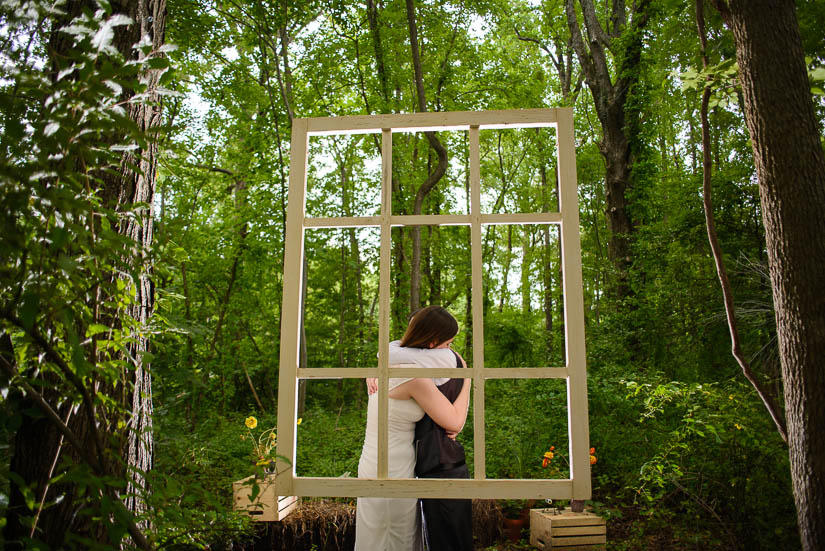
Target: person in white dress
{"points": [[393, 524]]}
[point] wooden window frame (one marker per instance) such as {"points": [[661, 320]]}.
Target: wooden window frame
{"points": [[578, 486]]}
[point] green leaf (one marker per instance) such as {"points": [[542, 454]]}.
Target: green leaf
{"points": [[157, 63], [690, 74], [29, 308], [96, 329], [255, 492]]}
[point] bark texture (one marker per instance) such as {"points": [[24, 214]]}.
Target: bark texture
{"points": [[139, 187], [790, 166], [37, 445], [716, 249]]}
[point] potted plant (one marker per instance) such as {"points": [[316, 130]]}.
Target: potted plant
{"points": [[263, 446], [516, 514]]}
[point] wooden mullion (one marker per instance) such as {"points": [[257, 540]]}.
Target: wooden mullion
{"points": [[343, 222], [384, 303], [430, 220], [479, 438], [526, 373], [522, 218]]}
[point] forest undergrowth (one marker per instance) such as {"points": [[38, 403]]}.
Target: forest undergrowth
{"points": [[679, 466]]}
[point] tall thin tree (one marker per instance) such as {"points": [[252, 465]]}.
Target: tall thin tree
{"points": [[432, 178]]}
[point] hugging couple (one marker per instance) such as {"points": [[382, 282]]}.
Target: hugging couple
{"points": [[425, 415]]}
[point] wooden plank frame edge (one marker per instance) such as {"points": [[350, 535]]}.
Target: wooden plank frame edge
{"points": [[577, 417], [477, 296], [408, 372], [433, 488], [384, 304], [440, 121], [291, 309]]}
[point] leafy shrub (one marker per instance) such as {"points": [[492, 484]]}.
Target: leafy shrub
{"points": [[717, 457]]}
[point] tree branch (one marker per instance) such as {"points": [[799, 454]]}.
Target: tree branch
{"points": [[586, 62], [51, 415], [214, 169], [69, 374], [617, 18], [594, 28], [433, 140], [540, 45]]}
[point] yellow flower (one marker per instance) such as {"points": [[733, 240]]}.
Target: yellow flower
{"points": [[738, 426], [730, 396], [593, 459], [299, 420], [251, 422], [548, 455]]}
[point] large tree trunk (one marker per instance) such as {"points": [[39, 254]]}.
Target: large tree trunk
{"points": [[610, 100], [37, 447], [139, 187], [790, 166]]}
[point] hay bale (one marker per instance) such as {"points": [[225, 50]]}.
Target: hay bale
{"points": [[486, 523], [330, 526], [325, 524]]}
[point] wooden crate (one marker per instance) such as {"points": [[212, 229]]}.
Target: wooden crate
{"points": [[550, 529], [266, 507]]}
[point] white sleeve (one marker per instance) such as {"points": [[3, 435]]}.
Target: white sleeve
{"points": [[423, 357]]}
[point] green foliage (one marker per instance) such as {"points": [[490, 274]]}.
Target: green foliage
{"points": [[723, 79], [68, 272], [330, 439], [517, 437], [716, 454], [816, 74], [191, 501]]}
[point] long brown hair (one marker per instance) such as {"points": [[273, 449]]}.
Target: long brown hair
{"points": [[430, 326]]}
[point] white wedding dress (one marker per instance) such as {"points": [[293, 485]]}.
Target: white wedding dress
{"points": [[393, 524], [389, 524]]}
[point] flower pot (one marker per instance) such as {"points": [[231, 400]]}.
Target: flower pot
{"points": [[514, 526]]}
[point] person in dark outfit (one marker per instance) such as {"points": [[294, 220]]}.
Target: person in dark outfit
{"points": [[448, 523]]}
